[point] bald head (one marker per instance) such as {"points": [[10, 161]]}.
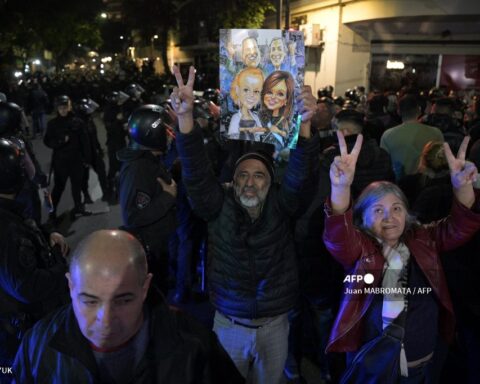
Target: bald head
{"points": [[109, 252], [108, 283]]}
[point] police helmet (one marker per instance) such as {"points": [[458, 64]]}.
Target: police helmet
{"points": [[147, 127], [62, 100], [352, 94], [87, 106], [10, 118], [212, 95], [11, 167], [201, 109], [117, 97], [339, 100], [134, 90]]}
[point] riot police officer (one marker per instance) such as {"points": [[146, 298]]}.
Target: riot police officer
{"points": [[115, 124], [85, 110], [135, 91], [66, 135], [11, 128], [32, 280], [147, 190]]}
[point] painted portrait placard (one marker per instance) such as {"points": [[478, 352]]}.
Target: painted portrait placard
{"points": [[261, 73]]}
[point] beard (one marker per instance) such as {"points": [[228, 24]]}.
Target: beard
{"points": [[250, 201]]}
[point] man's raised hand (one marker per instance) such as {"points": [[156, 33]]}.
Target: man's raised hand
{"points": [[182, 96], [182, 99]]}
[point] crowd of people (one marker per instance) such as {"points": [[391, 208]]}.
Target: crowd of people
{"points": [[380, 184]]}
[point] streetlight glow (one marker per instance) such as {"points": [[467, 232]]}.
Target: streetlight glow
{"points": [[103, 15]]}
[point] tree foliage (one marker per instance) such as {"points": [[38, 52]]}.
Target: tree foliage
{"points": [[248, 14], [55, 25]]}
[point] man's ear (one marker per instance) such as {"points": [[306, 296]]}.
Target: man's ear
{"points": [[70, 283], [146, 285]]}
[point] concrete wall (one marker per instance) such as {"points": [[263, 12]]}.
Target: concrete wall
{"points": [[344, 61], [384, 9], [353, 60], [322, 67]]}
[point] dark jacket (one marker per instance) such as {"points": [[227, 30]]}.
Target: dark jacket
{"points": [[373, 164], [251, 265], [146, 207], [32, 275], [360, 254], [74, 149], [114, 124], [179, 351], [92, 134], [37, 101]]}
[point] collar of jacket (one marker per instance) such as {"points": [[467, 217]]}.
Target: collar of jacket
{"points": [[70, 341]]}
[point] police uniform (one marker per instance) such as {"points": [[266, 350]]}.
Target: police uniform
{"points": [[147, 210], [32, 277], [69, 155], [116, 138]]}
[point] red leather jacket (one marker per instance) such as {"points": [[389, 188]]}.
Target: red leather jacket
{"points": [[360, 253]]}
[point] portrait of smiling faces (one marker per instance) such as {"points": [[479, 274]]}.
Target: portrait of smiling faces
{"points": [[251, 182], [250, 52], [278, 52], [108, 283]]}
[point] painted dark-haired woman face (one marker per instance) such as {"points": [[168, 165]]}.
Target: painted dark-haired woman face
{"points": [[276, 97]]}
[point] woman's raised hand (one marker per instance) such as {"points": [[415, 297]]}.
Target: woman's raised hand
{"points": [[462, 172], [342, 169]]}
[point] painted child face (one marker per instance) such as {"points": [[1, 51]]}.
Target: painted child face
{"points": [[249, 91], [276, 98], [277, 53]]}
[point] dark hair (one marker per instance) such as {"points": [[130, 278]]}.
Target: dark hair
{"points": [[351, 116], [273, 79], [408, 107], [377, 104]]}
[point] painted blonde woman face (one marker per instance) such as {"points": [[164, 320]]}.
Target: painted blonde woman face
{"points": [[249, 90], [276, 98]]}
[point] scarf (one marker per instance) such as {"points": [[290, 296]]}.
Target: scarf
{"points": [[395, 278]]}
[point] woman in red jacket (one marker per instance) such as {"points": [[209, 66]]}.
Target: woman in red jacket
{"points": [[394, 276]]}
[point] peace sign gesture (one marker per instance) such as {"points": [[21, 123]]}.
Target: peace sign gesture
{"points": [[182, 96], [462, 172], [342, 168]]}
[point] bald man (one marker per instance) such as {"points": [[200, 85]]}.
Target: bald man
{"points": [[118, 329]]}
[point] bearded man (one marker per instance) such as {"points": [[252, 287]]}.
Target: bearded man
{"points": [[252, 272]]}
